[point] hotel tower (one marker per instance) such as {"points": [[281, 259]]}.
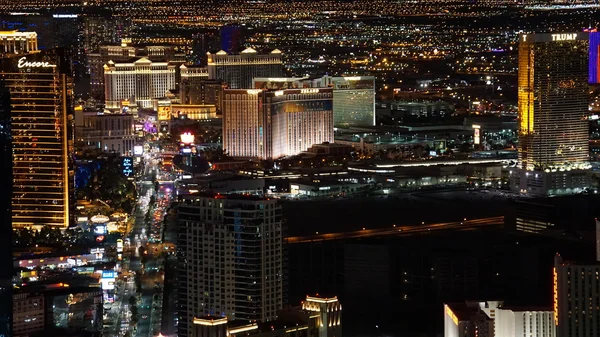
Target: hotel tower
{"points": [[41, 140], [553, 97]]}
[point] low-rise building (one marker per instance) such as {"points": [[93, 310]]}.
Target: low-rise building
{"points": [[494, 319], [28, 313], [317, 317], [109, 132], [428, 180], [524, 322], [330, 150], [221, 183], [45, 307], [324, 187]]}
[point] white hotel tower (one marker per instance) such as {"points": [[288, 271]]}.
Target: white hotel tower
{"points": [[141, 82]]}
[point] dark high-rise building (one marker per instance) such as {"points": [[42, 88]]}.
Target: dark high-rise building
{"points": [[231, 38], [576, 298], [202, 43], [553, 97], [40, 95], [239, 70], [230, 259], [6, 262]]}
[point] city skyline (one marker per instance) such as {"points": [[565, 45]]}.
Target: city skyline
{"points": [[299, 169]]}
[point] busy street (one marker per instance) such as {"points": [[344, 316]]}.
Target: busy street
{"points": [[137, 306]]}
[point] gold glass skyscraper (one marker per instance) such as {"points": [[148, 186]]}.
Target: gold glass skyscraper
{"points": [[553, 96], [41, 140]]}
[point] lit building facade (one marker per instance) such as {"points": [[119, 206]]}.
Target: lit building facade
{"points": [[99, 30], [125, 53], [141, 82], [42, 140], [523, 322], [494, 319], [108, 132], [96, 62], [300, 118], [230, 252], [196, 89], [576, 298], [353, 100], [14, 42], [553, 97], [238, 70], [29, 314], [269, 124], [469, 319], [328, 312]]}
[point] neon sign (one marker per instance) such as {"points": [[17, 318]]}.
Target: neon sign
{"points": [[127, 165], [555, 297], [23, 63], [564, 37], [452, 315]]}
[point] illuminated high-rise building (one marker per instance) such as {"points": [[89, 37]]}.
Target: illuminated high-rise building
{"points": [[140, 83], [268, 124], [553, 97], [40, 95], [353, 99], [239, 70], [196, 89], [6, 172], [123, 55]]}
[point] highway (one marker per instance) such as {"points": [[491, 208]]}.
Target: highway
{"points": [[401, 230]]}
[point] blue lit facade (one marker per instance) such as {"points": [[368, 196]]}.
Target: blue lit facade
{"points": [[594, 76]]}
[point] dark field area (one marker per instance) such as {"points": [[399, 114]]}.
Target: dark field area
{"points": [[400, 283], [328, 216]]}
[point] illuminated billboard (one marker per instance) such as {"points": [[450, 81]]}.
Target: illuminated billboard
{"points": [[594, 75], [100, 219], [187, 138], [100, 230], [477, 135], [127, 166], [108, 279], [138, 150], [164, 113]]}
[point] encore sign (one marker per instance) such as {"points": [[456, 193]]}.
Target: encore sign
{"points": [[23, 63]]}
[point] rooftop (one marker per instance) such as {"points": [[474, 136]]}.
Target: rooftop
{"points": [[16, 33], [247, 197]]}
